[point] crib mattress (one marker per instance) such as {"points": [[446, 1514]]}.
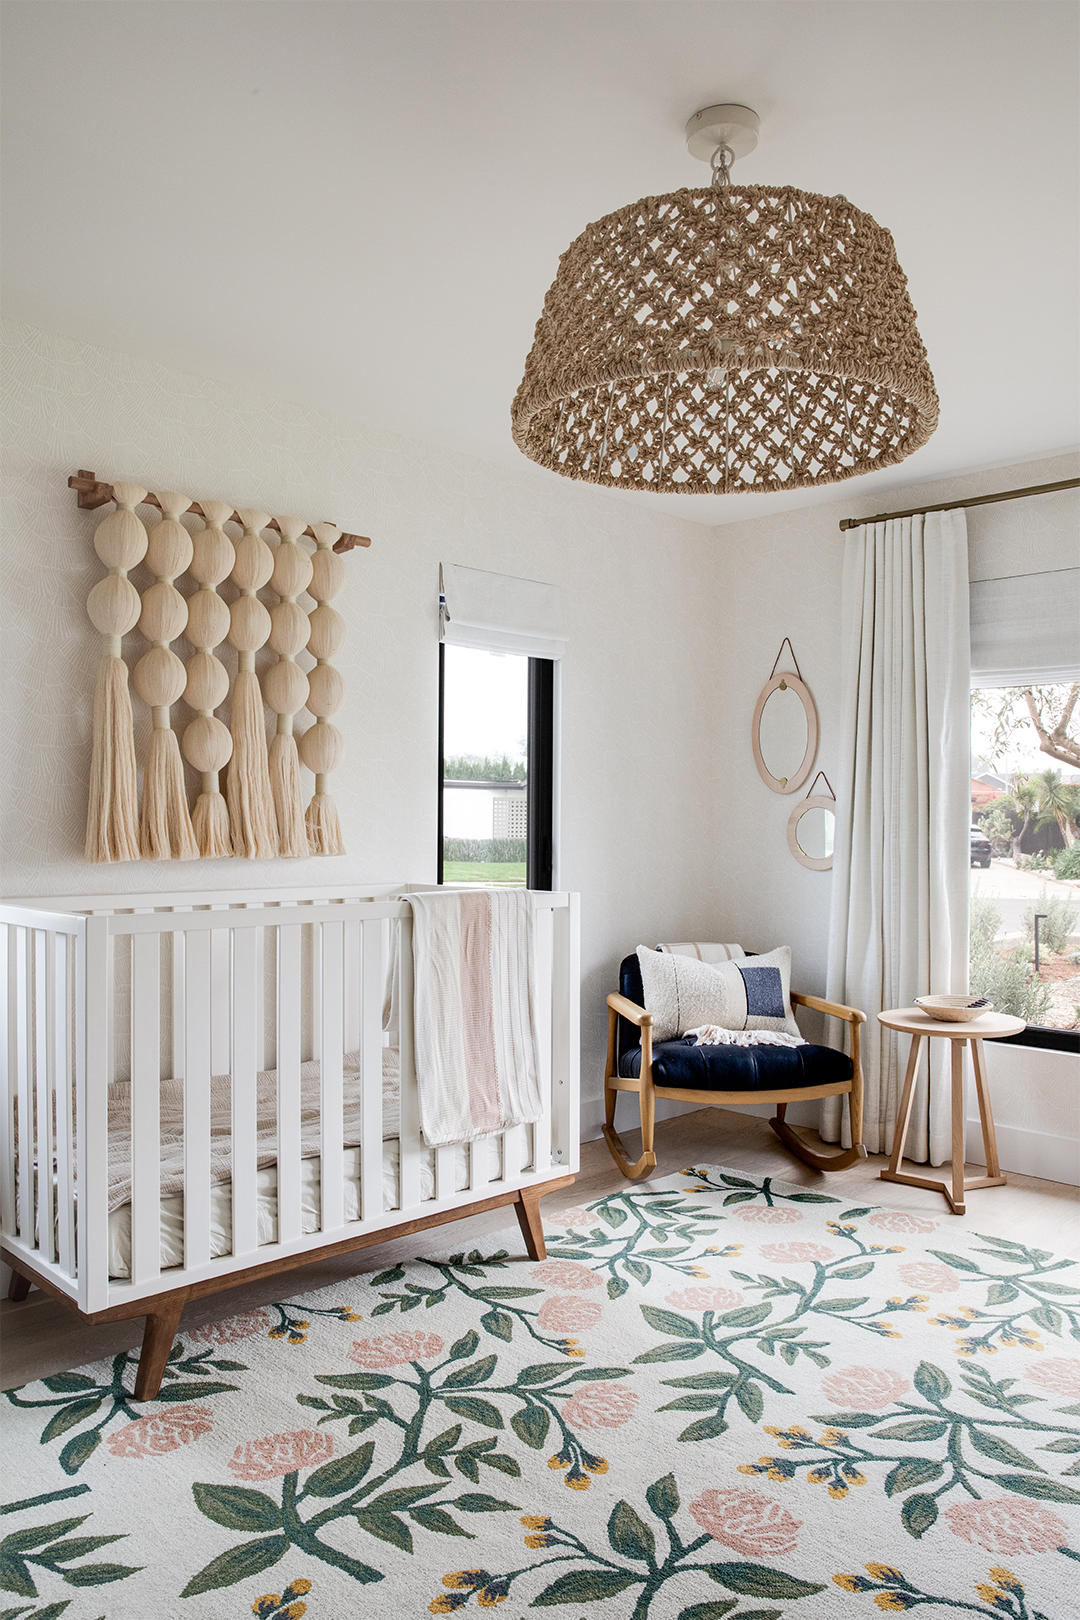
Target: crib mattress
{"points": [[487, 1155]]}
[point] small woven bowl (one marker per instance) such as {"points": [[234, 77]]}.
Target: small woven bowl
{"points": [[952, 1009]]}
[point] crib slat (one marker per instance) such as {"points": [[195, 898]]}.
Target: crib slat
{"points": [[288, 1085], [23, 945], [353, 1009], [65, 1207], [197, 1099], [444, 1172], [10, 1059], [94, 1017], [220, 1007], [243, 1064], [565, 1034], [410, 1145], [542, 1127], [145, 1114], [370, 1002], [328, 1023], [45, 1012], [261, 994], [176, 947]]}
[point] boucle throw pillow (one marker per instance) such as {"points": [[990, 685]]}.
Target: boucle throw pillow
{"points": [[682, 993]]}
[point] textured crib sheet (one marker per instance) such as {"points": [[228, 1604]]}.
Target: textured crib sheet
{"points": [[487, 1161]]}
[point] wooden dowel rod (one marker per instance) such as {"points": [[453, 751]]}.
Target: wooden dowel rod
{"points": [[93, 494], [953, 506]]}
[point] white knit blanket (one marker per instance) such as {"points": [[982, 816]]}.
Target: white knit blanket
{"points": [[713, 1035], [476, 1013]]}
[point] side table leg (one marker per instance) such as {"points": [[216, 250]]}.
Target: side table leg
{"points": [[986, 1113], [907, 1098], [956, 1198]]}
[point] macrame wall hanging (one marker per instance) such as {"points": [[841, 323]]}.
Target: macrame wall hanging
{"points": [[261, 813]]}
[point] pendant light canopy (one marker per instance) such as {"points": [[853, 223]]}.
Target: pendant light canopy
{"points": [[727, 339]]}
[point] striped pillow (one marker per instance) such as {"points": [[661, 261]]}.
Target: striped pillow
{"points": [[684, 993]]}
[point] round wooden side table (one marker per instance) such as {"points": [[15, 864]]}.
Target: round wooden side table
{"points": [[989, 1026]]}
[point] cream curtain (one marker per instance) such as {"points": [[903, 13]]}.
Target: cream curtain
{"points": [[901, 870]]}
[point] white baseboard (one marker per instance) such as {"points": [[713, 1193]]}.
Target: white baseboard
{"points": [[1029, 1153], [626, 1118]]}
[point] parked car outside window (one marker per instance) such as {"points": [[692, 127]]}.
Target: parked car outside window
{"points": [[980, 848]]}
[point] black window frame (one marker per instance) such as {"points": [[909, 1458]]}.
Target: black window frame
{"points": [[540, 773]]}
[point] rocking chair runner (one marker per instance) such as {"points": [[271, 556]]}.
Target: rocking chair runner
{"points": [[721, 1076]]}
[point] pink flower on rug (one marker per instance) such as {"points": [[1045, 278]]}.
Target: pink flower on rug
{"points": [[232, 1328], [600, 1406], [1060, 1376], [1006, 1526], [566, 1274], [791, 1254], [704, 1299], [747, 1522], [568, 1314], [864, 1389], [769, 1214], [278, 1454], [898, 1220], [167, 1430], [928, 1275], [395, 1349], [576, 1215]]}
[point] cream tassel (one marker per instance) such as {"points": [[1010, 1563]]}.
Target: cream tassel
{"points": [[165, 831], [322, 745], [252, 820], [112, 819], [288, 797], [322, 820], [210, 819]]}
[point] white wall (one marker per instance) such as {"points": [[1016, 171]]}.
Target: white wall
{"points": [[667, 830], [780, 576], [639, 795]]}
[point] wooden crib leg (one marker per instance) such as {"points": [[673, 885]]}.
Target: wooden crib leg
{"points": [[18, 1287], [527, 1209], [158, 1337]]}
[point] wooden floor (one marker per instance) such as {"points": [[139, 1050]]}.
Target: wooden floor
{"points": [[40, 1337]]}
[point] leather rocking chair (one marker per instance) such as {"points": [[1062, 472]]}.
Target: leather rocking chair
{"points": [[725, 1076]]}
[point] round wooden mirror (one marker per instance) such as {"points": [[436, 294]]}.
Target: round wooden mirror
{"points": [[785, 733], [810, 830]]}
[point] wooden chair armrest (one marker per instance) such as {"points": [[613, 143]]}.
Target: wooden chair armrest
{"points": [[835, 1009], [627, 1009]]}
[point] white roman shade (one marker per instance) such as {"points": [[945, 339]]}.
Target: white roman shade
{"points": [[502, 613], [1026, 629]]}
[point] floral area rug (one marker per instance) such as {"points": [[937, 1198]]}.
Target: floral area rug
{"points": [[717, 1397]]}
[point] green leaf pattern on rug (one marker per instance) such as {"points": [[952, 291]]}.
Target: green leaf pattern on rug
{"points": [[802, 1373]]}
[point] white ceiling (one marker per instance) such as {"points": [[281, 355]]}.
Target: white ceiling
{"points": [[361, 205]]}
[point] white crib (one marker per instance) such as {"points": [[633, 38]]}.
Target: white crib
{"points": [[130, 992]]}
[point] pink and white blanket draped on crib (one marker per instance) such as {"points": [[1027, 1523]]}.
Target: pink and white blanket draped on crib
{"points": [[476, 1014]]}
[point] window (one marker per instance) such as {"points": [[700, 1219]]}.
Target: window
{"points": [[1025, 855], [497, 729]]}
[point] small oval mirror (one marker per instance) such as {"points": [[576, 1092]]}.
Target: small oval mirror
{"points": [[784, 735], [811, 828]]}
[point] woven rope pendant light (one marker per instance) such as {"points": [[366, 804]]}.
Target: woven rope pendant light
{"points": [[726, 339]]}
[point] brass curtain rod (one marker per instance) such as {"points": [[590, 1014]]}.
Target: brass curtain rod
{"points": [[93, 494], [953, 506]]}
